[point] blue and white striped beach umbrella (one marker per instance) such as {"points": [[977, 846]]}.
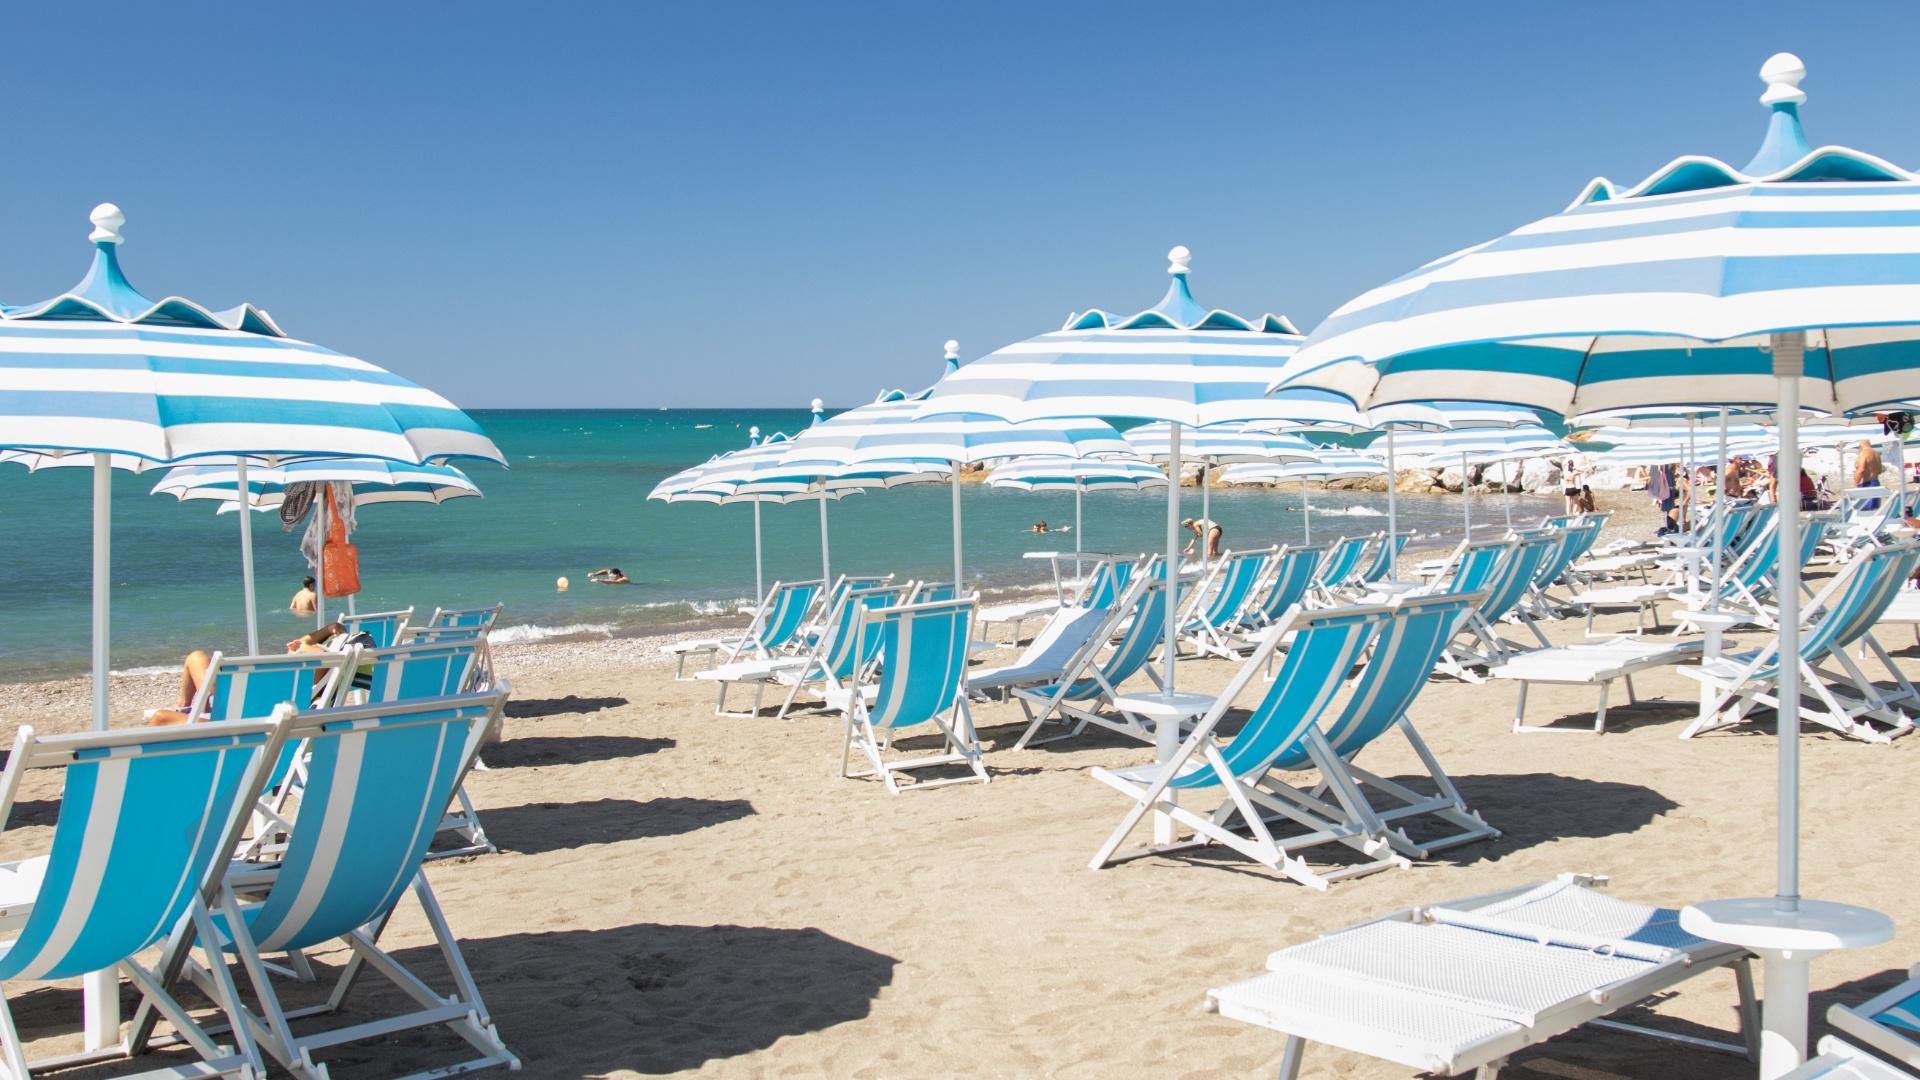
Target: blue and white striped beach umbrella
{"points": [[703, 483], [1078, 475], [1176, 362], [891, 431], [1794, 281], [104, 370]]}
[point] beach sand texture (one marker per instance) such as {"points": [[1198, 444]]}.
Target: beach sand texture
{"points": [[681, 893]]}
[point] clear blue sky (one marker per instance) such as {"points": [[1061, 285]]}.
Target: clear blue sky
{"points": [[712, 204]]}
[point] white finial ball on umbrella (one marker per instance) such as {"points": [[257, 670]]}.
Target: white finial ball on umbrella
{"points": [[1178, 258], [1782, 73], [107, 220]]}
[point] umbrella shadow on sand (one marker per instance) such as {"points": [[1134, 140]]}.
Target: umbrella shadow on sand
{"points": [[647, 998], [535, 828], [1540, 808], [535, 750], [571, 705]]}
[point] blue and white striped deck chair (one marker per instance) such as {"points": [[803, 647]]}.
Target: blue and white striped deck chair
{"points": [[1403, 656], [834, 631], [478, 618], [1385, 554], [1287, 584], [1475, 566], [1325, 645], [1887, 1023], [148, 819], [1747, 589], [1844, 612], [923, 672], [732, 645], [1576, 539], [1093, 678], [1220, 603], [380, 777], [777, 626], [1336, 569], [426, 668], [1108, 580], [385, 628], [1509, 586], [842, 651]]}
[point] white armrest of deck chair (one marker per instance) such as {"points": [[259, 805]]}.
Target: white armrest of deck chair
{"points": [[1017, 611], [1839, 1060]]}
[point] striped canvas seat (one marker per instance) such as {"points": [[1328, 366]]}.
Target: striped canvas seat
{"points": [[436, 663], [1325, 647], [1295, 569], [385, 628], [1841, 616], [1342, 558], [776, 619], [849, 643], [1385, 554], [1404, 653], [379, 778], [1093, 680], [474, 618], [147, 819], [1220, 604], [922, 657], [1106, 583], [1888, 1023], [1479, 644]]}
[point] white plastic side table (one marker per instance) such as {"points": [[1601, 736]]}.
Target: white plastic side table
{"points": [[1787, 942]]}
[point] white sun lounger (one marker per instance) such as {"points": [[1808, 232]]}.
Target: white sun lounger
{"points": [[1597, 664], [1464, 985], [1046, 658]]}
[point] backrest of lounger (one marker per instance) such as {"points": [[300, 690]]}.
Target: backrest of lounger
{"points": [[1476, 566], [923, 660], [250, 687], [932, 591], [1516, 575], [1341, 559], [790, 606], [416, 670], [1758, 561], [1557, 555], [843, 651], [1408, 646], [1325, 646], [1146, 628], [1590, 526], [384, 627], [1293, 574], [1237, 572], [1067, 634], [1385, 554], [1873, 580], [144, 814], [1109, 580], [1813, 532], [481, 617], [378, 780]]}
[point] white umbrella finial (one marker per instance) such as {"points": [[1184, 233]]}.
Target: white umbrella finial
{"points": [[107, 220], [953, 349], [1782, 73], [1178, 258]]}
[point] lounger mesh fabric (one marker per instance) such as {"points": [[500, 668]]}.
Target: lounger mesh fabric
{"points": [[1564, 908], [111, 892]]}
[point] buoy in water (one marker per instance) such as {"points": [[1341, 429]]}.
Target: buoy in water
{"points": [[561, 585]]}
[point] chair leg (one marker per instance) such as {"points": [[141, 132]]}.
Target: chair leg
{"points": [[10, 1048], [1290, 1058], [1600, 713]]}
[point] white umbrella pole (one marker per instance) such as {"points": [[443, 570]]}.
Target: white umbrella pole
{"points": [[1506, 497], [1306, 511], [1787, 888], [1206, 521], [1079, 489], [1393, 517], [759, 576], [100, 993], [1719, 512], [1169, 733], [958, 588], [1466, 499], [1693, 471], [826, 564], [246, 555]]}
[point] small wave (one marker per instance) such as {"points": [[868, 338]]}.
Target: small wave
{"points": [[507, 635], [696, 427], [701, 607], [1349, 511], [139, 672]]}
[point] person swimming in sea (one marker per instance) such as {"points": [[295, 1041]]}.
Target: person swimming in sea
{"points": [[609, 576]]}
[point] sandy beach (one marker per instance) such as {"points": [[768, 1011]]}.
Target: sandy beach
{"points": [[678, 893]]}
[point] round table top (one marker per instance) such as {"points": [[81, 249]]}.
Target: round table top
{"points": [[1758, 924]]}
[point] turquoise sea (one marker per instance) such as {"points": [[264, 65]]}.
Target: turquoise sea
{"points": [[573, 500]]}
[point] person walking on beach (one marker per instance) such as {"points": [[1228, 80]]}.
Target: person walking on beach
{"points": [[303, 601], [1204, 529]]}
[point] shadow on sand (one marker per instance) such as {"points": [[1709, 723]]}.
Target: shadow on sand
{"points": [[570, 705], [535, 828], [645, 998], [529, 750]]}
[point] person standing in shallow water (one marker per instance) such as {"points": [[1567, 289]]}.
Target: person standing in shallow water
{"points": [[303, 601], [1207, 529]]}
